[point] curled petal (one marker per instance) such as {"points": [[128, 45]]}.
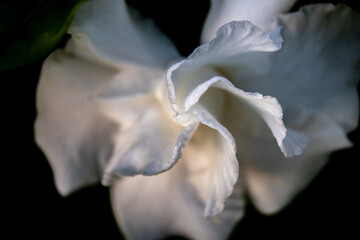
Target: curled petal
{"points": [[148, 140], [317, 90], [233, 43], [189, 79], [117, 34], [146, 147], [152, 145], [172, 198], [217, 157], [261, 109], [259, 12], [324, 74], [242, 110]]}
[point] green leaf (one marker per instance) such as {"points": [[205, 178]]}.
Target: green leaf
{"points": [[30, 30]]}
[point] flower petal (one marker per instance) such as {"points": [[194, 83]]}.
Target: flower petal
{"points": [[74, 135], [324, 74], [249, 116], [317, 90], [233, 43], [259, 12], [263, 110], [146, 147], [71, 80], [165, 202], [118, 35], [149, 141], [107, 102], [215, 156], [273, 180]]}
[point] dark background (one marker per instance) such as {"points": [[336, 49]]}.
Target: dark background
{"points": [[33, 208]]}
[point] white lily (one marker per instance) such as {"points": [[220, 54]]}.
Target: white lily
{"points": [[181, 148]]}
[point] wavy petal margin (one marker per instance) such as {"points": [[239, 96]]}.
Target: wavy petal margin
{"points": [[259, 12]]}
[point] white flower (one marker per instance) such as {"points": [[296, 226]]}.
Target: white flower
{"points": [[181, 148]]}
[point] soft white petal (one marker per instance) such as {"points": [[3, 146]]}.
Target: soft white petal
{"points": [[75, 132], [119, 35], [216, 154], [316, 91], [273, 181], [314, 77], [318, 66], [249, 115], [74, 135], [269, 110], [146, 146], [90, 110], [148, 140], [233, 43], [264, 109], [172, 203], [259, 12], [130, 93]]}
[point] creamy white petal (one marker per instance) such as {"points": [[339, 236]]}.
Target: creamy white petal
{"points": [[273, 181], [130, 93], [262, 109], [314, 77], [148, 141], [151, 145], [317, 93], [233, 43], [318, 66], [172, 203], [270, 112], [239, 110], [73, 129], [73, 134], [259, 12], [216, 154], [87, 106], [120, 35]]}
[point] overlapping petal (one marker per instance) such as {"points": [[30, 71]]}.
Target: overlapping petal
{"points": [[311, 90], [216, 153], [190, 79], [259, 12], [118, 34], [176, 196], [317, 90], [148, 143], [81, 85], [94, 119], [233, 44], [317, 67]]}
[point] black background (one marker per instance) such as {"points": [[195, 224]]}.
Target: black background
{"points": [[33, 208]]}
